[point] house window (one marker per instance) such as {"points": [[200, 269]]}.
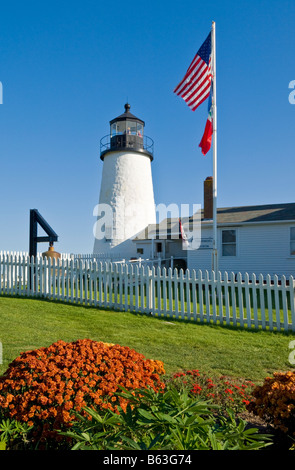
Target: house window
{"points": [[159, 247], [229, 243], [139, 251], [292, 241]]}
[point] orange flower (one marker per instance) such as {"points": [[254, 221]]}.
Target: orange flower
{"points": [[68, 405], [275, 401], [59, 398]]}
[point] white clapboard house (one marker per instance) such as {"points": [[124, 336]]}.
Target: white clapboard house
{"points": [[255, 239]]}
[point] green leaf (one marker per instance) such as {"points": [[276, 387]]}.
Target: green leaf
{"points": [[132, 444], [154, 441], [77, 446], [146, 414], [166, 418], [2, 445]]}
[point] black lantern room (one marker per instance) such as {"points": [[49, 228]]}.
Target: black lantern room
{"points": [[126, 134]]}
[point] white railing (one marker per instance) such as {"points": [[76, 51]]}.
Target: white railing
{"points": [[116, 258], [98, 257], [226, 299], [22, 254]]}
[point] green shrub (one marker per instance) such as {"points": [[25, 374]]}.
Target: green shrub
{"points": [[168, 420], [14, 435]]}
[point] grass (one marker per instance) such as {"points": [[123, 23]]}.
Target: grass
{"points": [[30, 323]]}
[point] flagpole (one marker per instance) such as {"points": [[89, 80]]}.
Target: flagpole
{"points": [[214, 138]]}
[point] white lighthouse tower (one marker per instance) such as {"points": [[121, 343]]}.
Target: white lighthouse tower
{"points": [[126, 203]]}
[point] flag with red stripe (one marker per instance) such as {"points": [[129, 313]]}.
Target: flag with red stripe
{"points": [[205, 143], [195, 86]]}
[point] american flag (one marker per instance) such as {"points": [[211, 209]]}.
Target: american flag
{"points": [[183, 236], [194, 88]]}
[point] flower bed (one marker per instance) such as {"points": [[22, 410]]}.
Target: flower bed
{"points": [[52, 388], [223, 391]]}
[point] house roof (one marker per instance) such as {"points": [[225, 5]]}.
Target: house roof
{"points": [[168, 228], [227, 215], [262, 213]]}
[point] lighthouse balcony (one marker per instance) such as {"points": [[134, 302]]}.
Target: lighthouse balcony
{"points": [[126, 142]]}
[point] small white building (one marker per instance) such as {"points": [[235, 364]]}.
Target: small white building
{"points": [[255, 239], [163, 242]]}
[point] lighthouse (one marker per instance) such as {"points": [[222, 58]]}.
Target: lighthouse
{"points": [[126, 201]]}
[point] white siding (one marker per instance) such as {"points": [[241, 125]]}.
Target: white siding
{"points": [[261, 249], [175, 249]]}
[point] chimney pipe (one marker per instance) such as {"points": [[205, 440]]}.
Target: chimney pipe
{"points": [[208, 198]]}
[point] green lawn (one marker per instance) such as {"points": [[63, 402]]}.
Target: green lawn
{"points": [[31, 323]]}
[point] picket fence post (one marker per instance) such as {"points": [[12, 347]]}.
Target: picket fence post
{"points": [[292, 301]]}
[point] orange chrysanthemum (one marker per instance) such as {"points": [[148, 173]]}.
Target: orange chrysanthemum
{"points": [[44, 386], [274, 401]]}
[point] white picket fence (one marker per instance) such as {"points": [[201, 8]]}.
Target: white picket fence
{"points": [[225, 299]]}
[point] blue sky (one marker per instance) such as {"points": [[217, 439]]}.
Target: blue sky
{"points": [[67, 68]]}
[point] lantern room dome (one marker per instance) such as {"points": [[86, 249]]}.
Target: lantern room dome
{"points": [[126, 116]]}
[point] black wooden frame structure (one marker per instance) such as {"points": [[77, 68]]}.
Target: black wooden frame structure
{"points": [[35, 219]]}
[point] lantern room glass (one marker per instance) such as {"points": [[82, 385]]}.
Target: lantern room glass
{"points": [[139, 129], [127, 127]]}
